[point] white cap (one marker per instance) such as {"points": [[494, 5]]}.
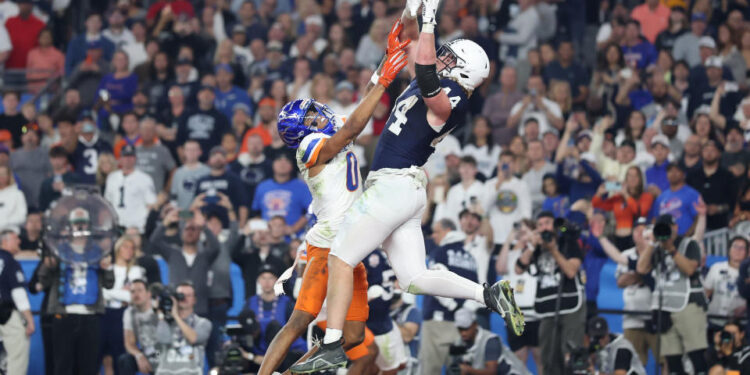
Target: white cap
{"points": [[713, 62], [464, 318], [660, 139], [707, 42]]}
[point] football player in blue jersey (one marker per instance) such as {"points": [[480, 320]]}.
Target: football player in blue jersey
{"points": [[390, 210]]}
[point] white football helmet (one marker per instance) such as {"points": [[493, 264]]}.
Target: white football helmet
{"points": [[465, 62]]}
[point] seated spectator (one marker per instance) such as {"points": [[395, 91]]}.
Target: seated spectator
{"points": [[182, 339], [23, 30], [687, 46], [520, 34], [679, 201], [465, 194], [721, 287], [702, 94], [656, 174], [628, 204], [536, 105], [220, 180], [11, 119], [205, 124], [283, 195], [31, 233], [497, 107], [130, 191], [78, 46], [506, 199], [12, 201], [139, 322], [153, 158], [30, 164], [554, 201], [44, 62], [715, 185], [735, 157]]}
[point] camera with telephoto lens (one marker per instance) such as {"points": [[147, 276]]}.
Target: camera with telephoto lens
{"points": [[230, 360], [164, 297], [663, 227], [578, 360], [457, 355]]}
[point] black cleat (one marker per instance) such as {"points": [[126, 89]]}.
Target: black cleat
{"points": [[499, 298], [328, 357]]}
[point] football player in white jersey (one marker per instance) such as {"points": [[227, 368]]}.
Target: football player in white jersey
{"points": [[330, 169]]}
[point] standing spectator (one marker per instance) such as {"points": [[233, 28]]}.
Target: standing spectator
{"points": [[438, 330], [220, 180], [506, 198], [130, 191], [538, 168], [482, 147], [191, 260], [283, 195], [88, 150], [227, 94], [117, 32], [521, 32], [637, 52], [23, 30], [182, 339], [154, 158], [716, 185], [87, 75], [565, 69], [53, 186], [554, 201], [185, 177], [497, 107], [77, 47], [44, 62], [372, 46], [536, 105], [735, 157], [11, 119], [139, 322], [252, 166], [628, 204], [690, 160], [116, 90], [174, 8], [466, 193], [687, 46], [116, 300], [266, 120], [656, 174], [552, 261], [30, 164], [16, 323], [31, 233], [12, 201], [679, 201], [676, 27], [683, 301], [653, 17], [205, 124], [721, 286]]}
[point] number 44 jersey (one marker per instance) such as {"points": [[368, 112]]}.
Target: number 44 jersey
{"points": [[408, 140], [334, 189]]}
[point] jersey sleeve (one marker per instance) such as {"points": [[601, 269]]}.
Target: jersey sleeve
{"points": [[309, 149]]}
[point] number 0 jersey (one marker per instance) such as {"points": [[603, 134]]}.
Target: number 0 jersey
{"points": [[334, 189], [408, 140]]}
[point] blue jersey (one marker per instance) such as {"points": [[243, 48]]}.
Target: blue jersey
{"points": [[408, 140], [380, 275], [85, 159]]}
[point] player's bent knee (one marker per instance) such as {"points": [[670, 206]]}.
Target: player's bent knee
{"points": [[298, 322], [354, 335], [335, 261]]}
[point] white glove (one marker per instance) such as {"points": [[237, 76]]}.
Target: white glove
{"points": [[429, 15], [412, 7]]}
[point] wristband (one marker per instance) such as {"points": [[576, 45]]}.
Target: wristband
{"points": [[374, 78], [428, 28]]}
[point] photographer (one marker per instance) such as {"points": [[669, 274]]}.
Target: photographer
{"points": [[139, 323], [181, 335], [615, 355], [555, 261], [728, 350], [481, 348], [678, 300]]}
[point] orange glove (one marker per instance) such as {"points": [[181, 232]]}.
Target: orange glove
{"points": [[391, 67], [393, 42]]}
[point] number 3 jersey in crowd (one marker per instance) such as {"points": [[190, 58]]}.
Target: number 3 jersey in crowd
{"points": [[334, 189], [408, 140]]}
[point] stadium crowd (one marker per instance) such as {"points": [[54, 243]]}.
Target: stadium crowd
{"points": [[617, 116]]}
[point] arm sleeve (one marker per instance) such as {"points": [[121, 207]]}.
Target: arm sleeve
{"points": [[623, 359], [710, 280], [202, 330], [493, 350], [20, 298], [693, 251], [127, 319]]}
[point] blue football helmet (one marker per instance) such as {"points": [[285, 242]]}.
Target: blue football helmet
{"points": [[291, 121]]}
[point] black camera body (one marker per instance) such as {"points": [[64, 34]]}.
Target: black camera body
{"points": [[164, 297], [456, 353], [662, 231], [578, 362], [230, 359], [564, 230]]}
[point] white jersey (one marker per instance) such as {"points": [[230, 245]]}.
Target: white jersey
{"points": [[130, 196], [725, 299], [334, 189]]}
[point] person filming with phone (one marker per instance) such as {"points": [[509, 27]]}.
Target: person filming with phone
{"points": [[678, 301]]}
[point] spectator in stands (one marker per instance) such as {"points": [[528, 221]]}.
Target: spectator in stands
{"points": [[11, 119], [153, 158], [192, 259], [687, 46], [566, 257], [139, 322], [145, 261], [44, 62], [730, 56], [371, 46], [613, 169], [182, 339], [282, 195], [683, 302], [703, 92], [498, 106], [80, 44], [506, 198], [117, 32], [554, 201], [536, 105], [656, 174], [564, 69], [130, 191], [17, 324], [77, 306], [205, 124], [258, 252], [628, 204], [464, 194], [53, 186], [520, 34], [105, 165], [30, 164], [538, 168], [716, 185], [12, 201], [227, 94], [116, 89], [653, 17], [116, 300], [87, 74], [691, 155], [721, 286], [252, 166], [185, 177], [23, 30], [676, 27], [438, 330], [679, 201], [742, 207], [735, 157], [220, 180], [31, 233], [637, 52], [482, 147], [728, 352], [88, 150]]}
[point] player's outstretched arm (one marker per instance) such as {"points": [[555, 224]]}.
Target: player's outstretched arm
{"points": [[357, 121], [438, 104]]}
